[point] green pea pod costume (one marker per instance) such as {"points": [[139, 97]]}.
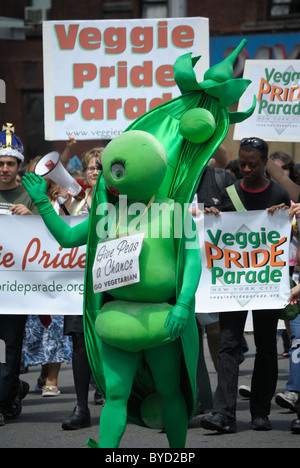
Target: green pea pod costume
{"points": [[186, 163], [187, 157]]}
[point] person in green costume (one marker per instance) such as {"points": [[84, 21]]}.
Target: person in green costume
{"points": [[142, 338]]}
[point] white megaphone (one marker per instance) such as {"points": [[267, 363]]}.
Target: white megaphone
{"points": [[51, 167]]}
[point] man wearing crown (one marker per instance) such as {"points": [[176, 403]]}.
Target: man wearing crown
{"points": [[13, 197], [14, 200]]}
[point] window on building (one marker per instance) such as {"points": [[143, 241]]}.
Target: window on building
{"points": [[38, 11], [154, 8], [284, 8]]}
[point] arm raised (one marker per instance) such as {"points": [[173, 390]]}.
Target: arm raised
{"points": [[65, 235]]}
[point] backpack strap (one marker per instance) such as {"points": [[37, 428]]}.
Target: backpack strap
{"points": [[235, 199]]}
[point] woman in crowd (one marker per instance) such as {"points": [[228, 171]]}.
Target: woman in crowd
{"points": [[44, 341], [80, 416]]}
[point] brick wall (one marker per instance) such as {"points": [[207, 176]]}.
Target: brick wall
{"points": [[228, 17], [21, 61]]}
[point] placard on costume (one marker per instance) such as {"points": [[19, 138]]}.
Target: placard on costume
{"points": [[276, 84], [99, 76], [37, 276], [245, 261]]}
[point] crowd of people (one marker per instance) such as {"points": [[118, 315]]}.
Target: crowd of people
{"points": [[257, 181]]}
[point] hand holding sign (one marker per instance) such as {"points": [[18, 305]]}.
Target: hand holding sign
{"points": [[295, 295], [274, 208], [294, 211]]}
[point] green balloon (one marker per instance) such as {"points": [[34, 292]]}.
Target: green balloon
{"points": [[197, 125]]}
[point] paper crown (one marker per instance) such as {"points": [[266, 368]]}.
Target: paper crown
{"points": [[10, 144]]}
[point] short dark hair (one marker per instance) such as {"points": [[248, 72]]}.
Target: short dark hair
{"points": [[248, 144]]}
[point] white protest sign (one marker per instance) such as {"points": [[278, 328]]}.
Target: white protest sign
{"points": [[37, 276], [117, 263], [99, 76], [245, 261], [276, 85]]}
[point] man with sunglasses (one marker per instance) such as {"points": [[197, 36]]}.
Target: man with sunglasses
{"points": [[253, 192]]}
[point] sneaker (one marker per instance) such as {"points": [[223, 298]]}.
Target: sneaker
{"points": [[245, 391], [261, 423], [287, 400], [219, 422], [50, 391]]}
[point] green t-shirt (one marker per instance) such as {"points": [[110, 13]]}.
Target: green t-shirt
{"points": [[16, 196]]}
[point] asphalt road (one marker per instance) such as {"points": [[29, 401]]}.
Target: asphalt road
{"points": [[39, 425]]}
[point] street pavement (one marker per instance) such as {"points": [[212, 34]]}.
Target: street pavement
{"points": [[39, 425]]}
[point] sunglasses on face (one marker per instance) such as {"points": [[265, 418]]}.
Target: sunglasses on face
{"points": [[255, 142]]}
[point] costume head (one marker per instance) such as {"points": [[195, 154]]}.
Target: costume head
{"points": [[10, 144], [134, 164]]}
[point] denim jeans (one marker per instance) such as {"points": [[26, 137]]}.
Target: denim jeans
{"points": [[265, 373], [293, 384]]}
